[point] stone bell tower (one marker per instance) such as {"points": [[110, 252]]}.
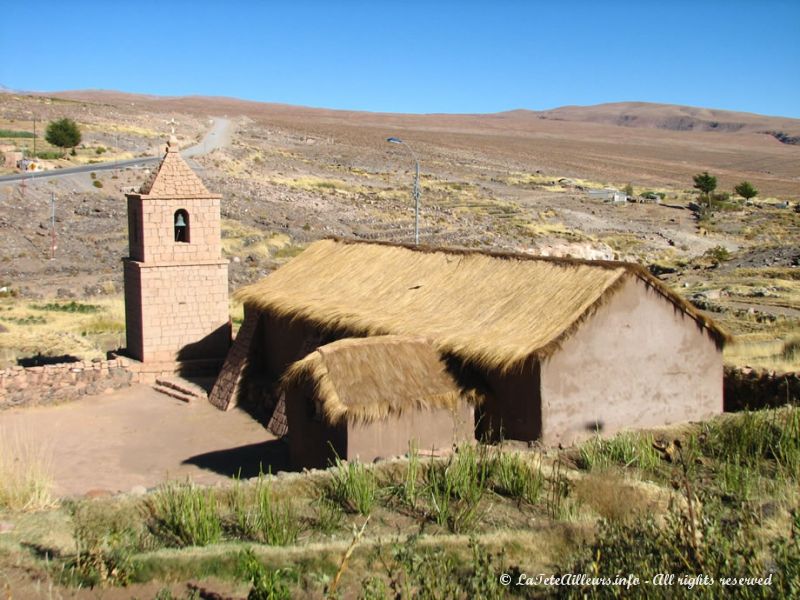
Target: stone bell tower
{"points": [[176, 281]]}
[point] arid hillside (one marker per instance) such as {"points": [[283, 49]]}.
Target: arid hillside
{"points": [[519, 181], [646, 144]]}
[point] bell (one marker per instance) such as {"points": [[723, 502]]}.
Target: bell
{"points": [[179, 222]]}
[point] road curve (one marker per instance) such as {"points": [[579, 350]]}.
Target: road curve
{"points": [[217, 137]]}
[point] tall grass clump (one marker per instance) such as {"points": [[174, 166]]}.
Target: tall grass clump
{"points": [[515, 478], [182, 514], [457, 486], [410, 487], [626, 449], [560, 503], [751, 438], [263, 517], [26, 472], [353, 486]]}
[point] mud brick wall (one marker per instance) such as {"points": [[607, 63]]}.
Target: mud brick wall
{"points": [[746, 388], [63, 382]]}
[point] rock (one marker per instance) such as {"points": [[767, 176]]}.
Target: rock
{"points": [[6, 527], [138, 490]]}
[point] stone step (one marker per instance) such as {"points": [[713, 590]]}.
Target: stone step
{"points": [[173, 393], [183, 386]]}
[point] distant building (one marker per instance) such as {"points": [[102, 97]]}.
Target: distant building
{"points": [[608, 195]]}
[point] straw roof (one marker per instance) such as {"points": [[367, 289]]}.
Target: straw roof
{"points": [[365, 379], [493, 310]]}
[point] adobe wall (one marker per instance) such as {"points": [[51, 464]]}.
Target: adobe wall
{"points": [[50, 384], [637, 362], [313, 444], [183, 311], [281, 342], [512, 409], [433, 430]]}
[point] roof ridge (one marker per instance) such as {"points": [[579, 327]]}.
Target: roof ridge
{"points": [[173, 176]]}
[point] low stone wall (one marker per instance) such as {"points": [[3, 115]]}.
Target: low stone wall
{"points": [[746, 388], [50, 384]]}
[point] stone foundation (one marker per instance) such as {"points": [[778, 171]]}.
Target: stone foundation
{"points": [[63, 382]]}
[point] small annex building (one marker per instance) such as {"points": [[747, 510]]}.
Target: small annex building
{"points": [[374, 397], [561, 348]]}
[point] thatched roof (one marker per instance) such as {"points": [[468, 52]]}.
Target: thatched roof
{"points": [[365, 379], [493, 310]]}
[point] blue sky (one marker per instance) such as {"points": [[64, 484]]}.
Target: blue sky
{"points": [[419, 57]]}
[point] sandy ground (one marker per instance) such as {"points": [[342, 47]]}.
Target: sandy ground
{"points": [[139, 437]]}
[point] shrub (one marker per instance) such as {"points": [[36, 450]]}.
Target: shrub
{"points": [[353, 486], [105, 538], [412, 571], [717, 254], [10, 133], [181, 514], [93, 175], [49, 155], [97, 183], [99, 150], [63, 133], [266, 585], [70, 307]]}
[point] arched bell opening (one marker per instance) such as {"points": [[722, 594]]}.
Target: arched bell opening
{"points": [[181, 226]]}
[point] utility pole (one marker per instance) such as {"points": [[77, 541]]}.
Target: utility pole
{"points": [[53, 226]]}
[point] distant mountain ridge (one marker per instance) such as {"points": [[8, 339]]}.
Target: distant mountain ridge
{"points": [[646, 115], [676, 118]]}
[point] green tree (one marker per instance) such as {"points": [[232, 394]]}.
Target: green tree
{"points": [[746, 190], [63, 133], [628, 189], [706, 184]]}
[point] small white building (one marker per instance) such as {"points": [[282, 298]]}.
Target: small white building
{"points": [[608, 195]]}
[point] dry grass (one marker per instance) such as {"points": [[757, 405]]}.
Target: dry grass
{"points": [[33, 329], [467, 303], [26, 472]]}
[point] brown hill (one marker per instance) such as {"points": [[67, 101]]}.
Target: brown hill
{"points": [[647, 144]]}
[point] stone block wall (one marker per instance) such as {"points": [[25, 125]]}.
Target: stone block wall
{"points": [[51, 384], [746, 388], [153, 240], [177, 311]]}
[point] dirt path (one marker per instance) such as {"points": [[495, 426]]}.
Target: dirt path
{"points": [[138, 437]]}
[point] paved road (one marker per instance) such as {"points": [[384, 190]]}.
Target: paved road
{"points": [[217, 137]]}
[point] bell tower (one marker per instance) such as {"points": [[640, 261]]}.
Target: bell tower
{"points": [[176, 281]]}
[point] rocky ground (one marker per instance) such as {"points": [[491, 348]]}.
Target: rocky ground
{"points": [[287, 181]]}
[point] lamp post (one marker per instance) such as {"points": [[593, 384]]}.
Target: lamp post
{"points": [[395, 140]]}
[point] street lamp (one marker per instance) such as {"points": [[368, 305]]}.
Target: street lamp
{"points": [[395, 140]]}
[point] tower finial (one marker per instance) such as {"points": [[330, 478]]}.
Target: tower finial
{"points": [[172, 144]]}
